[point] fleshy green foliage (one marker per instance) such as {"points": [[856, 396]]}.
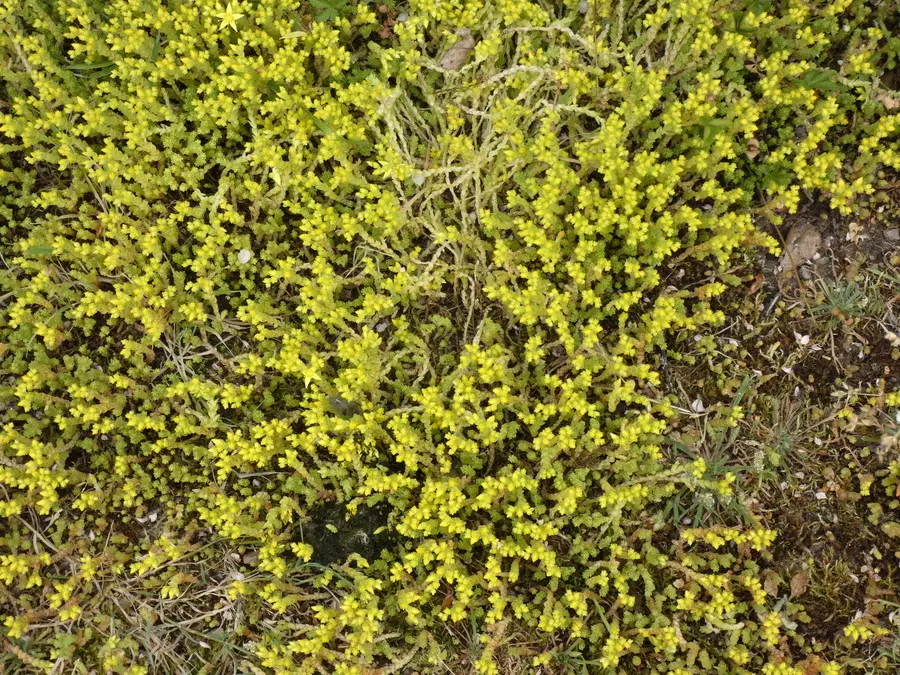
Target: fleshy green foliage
{"points": [[264, 255]]}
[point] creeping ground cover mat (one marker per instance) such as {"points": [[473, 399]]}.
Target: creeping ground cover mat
{"points": [[339, 337]]}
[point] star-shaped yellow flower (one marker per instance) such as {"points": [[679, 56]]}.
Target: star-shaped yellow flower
{"points": [[229, 17]]}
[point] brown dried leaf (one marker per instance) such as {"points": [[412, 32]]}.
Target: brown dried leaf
{"points": [[752, 148], [770, 583], [387, 27], [813, 666], [873, 590], [455, 57], [888, 101], [802, 244], [799, 583], [758, 283]]}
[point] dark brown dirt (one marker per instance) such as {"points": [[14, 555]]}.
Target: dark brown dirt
{"points": [[836, 537], [831, 538]]}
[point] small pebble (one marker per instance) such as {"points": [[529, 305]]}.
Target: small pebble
{"points": [[893, 234], [402, 16], [244, 256]]}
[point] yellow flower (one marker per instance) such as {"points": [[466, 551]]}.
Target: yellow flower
{"points": [[229, 17]]}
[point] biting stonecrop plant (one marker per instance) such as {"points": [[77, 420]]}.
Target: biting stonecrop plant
{"points": [[259, 256]]}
